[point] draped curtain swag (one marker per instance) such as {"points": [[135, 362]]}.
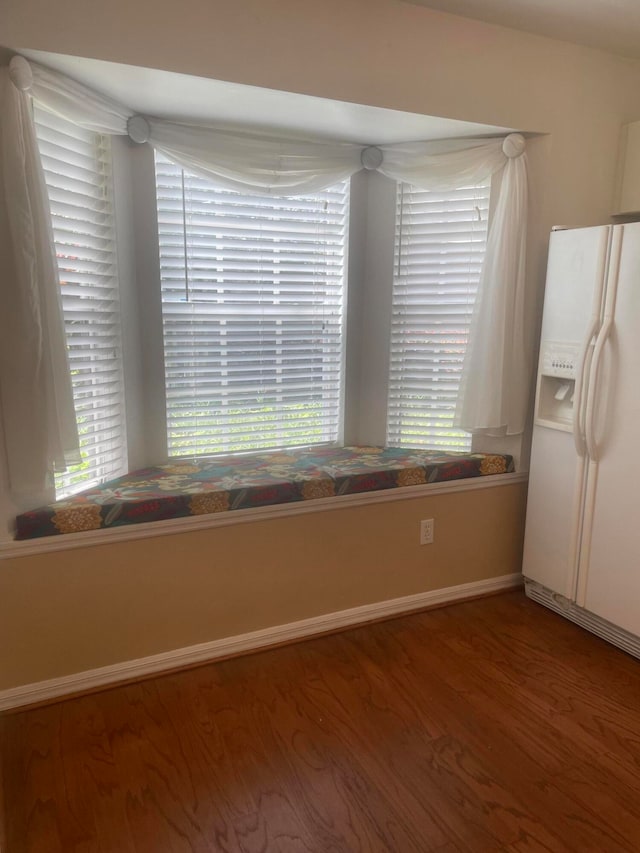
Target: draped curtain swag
{"points": [[38, 421]]}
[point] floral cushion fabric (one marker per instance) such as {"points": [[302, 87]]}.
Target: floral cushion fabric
{"points": [[221, 484]]}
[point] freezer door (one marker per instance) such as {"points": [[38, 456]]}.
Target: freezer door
{"points": [[553, 511], [610, 567], [575, 275], [573, 305]]}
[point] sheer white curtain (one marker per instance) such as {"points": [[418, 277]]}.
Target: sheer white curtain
{"points": [[38, 418], [36, 395], [494, 390]]}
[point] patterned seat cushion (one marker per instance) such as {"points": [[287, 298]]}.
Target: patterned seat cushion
{"points": [[225, 483]]}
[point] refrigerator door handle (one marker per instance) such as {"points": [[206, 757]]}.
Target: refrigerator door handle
{"points": [[603, 337], [582, 383], [592, 396]]}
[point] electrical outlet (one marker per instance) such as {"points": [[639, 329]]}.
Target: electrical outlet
{"points": [[427, 531]]}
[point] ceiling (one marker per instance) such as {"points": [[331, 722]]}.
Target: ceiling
{"points": [[611, 25], [186, 98]]}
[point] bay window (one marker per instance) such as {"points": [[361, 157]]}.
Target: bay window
{"points": [[232, 318], [253, 295]]}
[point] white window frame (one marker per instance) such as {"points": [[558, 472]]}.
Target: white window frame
{"points": [[213, 246]]}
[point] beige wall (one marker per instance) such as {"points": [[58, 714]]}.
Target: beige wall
{"points": [[74, 610], [71, 611]]}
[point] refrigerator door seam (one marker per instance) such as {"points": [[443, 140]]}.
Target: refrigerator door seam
{"points": [[587, 524], [577, 527]]}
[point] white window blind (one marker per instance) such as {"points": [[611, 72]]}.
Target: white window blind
{"points": [[77, 171], [252, 300], [439, 246]]}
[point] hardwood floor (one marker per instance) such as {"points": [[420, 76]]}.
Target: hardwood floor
{"points": [[492, 725]]}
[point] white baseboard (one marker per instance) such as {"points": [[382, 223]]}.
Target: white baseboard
{"points": [[107, 676]]}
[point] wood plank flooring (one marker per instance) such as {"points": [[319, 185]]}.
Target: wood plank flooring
{"points": [[492, 725]]}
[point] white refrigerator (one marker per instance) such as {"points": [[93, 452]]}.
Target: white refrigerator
{"points": [[582, 539]]}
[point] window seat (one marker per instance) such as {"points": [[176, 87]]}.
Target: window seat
{"points": [[222, 484]]}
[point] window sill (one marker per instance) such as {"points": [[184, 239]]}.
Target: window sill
{"points": [[44, 545]]}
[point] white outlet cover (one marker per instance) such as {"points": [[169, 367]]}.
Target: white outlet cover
{"points": [[427, 531]]}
